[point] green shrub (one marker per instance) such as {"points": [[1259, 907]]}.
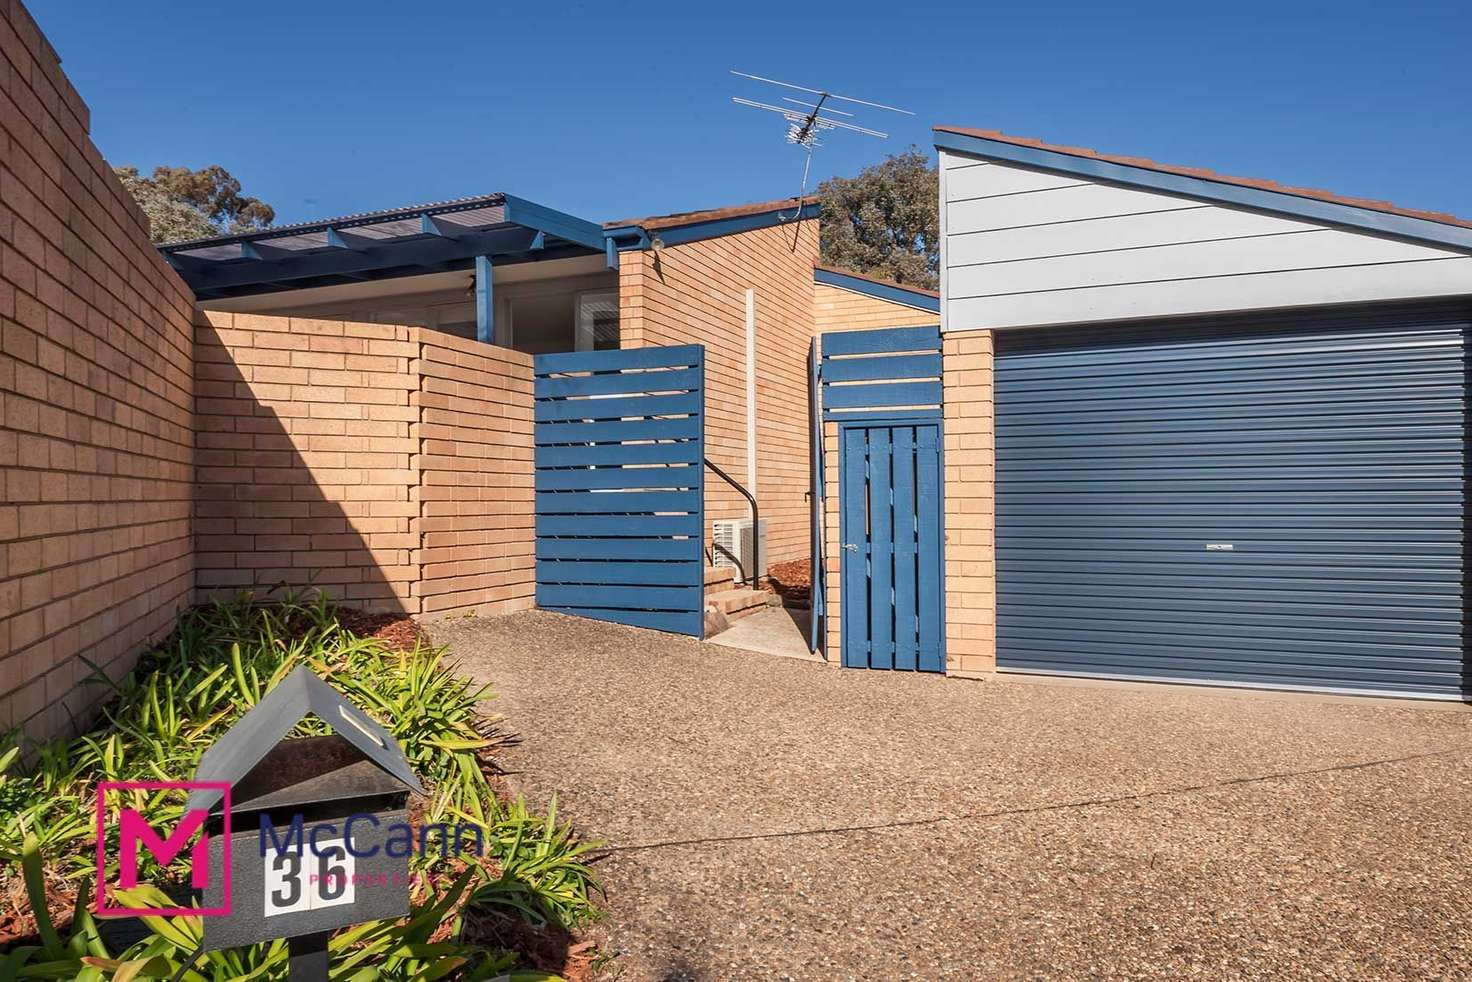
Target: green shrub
{"points": [[218, 663]]}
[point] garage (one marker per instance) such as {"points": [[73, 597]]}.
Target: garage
{"points": [[1200, 428], [1275, 503]]}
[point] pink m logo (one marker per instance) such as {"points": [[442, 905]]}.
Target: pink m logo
{"points": [[133, 829]]}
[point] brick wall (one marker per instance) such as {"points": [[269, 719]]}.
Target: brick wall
{"points": [[837, 309], [696, 294], [306, 463], [970, 510], [970, 504], [832, 546], [388, 466], [476, 519], [95, 391]]}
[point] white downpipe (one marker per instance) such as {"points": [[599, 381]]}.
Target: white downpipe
{"points": [[751, 393]]}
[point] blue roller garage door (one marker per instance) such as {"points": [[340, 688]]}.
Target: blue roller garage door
{"points": [[1278, 505]]}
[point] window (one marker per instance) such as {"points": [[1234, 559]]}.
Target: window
{"points": [[541, 324], [597, 324]]}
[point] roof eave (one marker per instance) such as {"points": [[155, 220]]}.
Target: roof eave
{"points": [[1218, 192], [890, 292], [637, 236]]}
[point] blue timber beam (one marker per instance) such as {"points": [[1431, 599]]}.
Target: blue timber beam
{"points": [[332, 262], [485, 308], [562, 225]]}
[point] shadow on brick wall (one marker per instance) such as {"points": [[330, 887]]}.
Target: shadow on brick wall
{"points": [[304, 460]]}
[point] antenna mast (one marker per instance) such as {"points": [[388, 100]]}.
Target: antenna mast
{"points": [[807, 120]]}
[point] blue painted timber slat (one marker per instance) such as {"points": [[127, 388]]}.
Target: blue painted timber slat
{"points": [[1275, 504], [601, 551], [883, 340], [878, 396], [612, 478], [616, 432], [930, 562], [620, 548], [618, 526], [627, 359], [906, 548], [672, 598], [615, 453], [870, 369], [620, 503], [853, 531], [570, 571], [880, 548], [672, 621], [617, 408], [618, 383]]}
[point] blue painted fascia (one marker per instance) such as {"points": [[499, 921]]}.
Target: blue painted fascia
{"points": [[630, 237], [1203, 189], [880, 291], [626, 237]]}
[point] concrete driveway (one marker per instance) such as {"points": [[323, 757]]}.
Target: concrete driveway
{"points": [[771, 818]]}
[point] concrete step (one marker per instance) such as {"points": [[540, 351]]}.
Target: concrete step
{"points": [[738, 602]]}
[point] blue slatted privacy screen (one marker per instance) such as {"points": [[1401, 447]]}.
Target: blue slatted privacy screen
{"points": [[891, 371], [619, 485], [1277, 506]]}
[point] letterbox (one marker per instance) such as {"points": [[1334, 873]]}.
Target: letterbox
{"points": [[318, 826]]}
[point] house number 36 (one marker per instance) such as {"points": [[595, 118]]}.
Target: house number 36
{"points": [[298, 880]]}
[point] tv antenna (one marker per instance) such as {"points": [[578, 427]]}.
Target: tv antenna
{"points": [[806, 121]]}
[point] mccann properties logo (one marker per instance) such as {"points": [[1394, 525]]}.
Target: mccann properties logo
{"points": [[136, 834]]}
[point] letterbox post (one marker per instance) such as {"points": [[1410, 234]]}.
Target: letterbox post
{"points": [[308, 957]]}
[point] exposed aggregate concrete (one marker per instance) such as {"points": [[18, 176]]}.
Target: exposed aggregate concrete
{"points": [[772, 818]]}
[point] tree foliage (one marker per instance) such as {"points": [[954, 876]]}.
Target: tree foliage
{"points": [[194, 204], [886, 221]]}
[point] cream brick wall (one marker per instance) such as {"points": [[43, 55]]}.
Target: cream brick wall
{"points": [[837, 309], [970, 510], [388, 466], [476, 519], [696, 294], [970, 504], [306, 469], [95, 392]]}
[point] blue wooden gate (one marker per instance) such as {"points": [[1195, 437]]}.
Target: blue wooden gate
{"points": [[883, 388], [620, 485], [890, 529]]}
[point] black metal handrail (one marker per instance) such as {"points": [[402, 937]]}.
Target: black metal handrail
{"points": [[756, 525]]}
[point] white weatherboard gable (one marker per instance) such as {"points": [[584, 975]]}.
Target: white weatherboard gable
{"points": [[1027, 247]]}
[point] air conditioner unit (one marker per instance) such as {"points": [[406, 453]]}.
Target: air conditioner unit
{"points": [[733, 546]]}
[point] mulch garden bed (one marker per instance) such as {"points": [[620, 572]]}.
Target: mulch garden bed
{"points": [[398, 631], [792, 581]]}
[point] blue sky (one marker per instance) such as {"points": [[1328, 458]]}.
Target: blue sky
{"points": [[617, 109]]}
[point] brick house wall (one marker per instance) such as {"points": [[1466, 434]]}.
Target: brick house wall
{"points": [[388, 466], [970, 503], [95, 393], [837, 309], [695, 293]]}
